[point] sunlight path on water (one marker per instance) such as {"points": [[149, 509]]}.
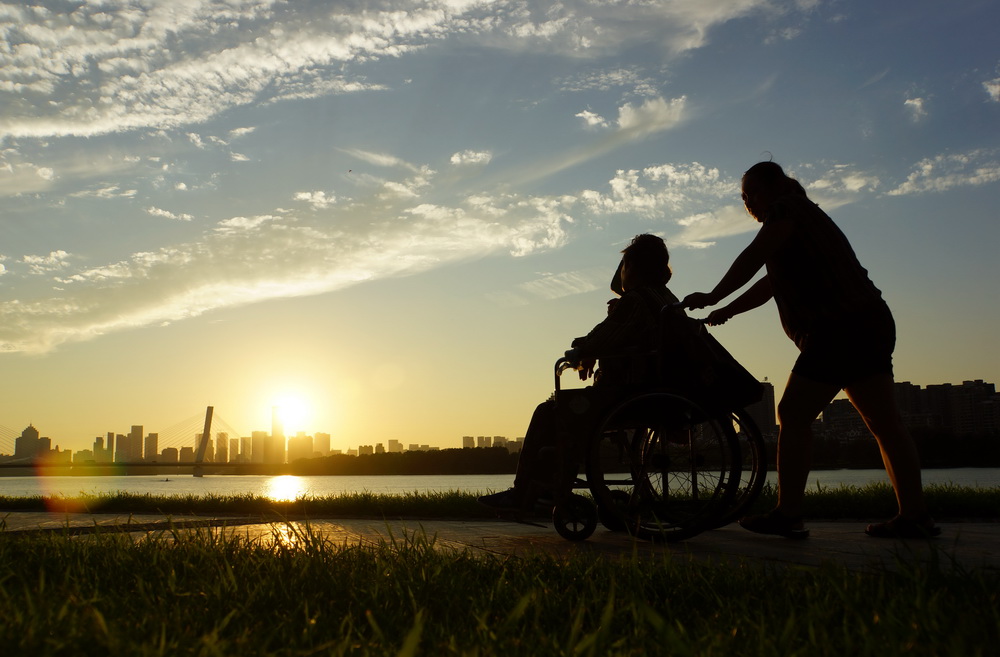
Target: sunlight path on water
{"points": [[285, 488]]}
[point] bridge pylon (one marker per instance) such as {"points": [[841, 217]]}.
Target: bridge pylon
{"points": [[206, 435]]}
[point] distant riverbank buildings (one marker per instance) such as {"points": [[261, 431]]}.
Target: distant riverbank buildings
{"points": [[971, 408]]}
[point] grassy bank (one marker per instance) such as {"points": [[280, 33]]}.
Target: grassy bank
{"points": [[845, 502], [202, 594]]}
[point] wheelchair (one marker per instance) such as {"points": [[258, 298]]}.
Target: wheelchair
{"points": [[657, 464]]}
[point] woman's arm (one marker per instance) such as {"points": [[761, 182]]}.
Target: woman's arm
{"points": [[771, 236], [757, 295]]}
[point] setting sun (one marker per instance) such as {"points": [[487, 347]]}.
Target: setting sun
{"points": [[295, 414]]}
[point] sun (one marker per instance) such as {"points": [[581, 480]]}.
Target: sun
{"points": [[294, 412]]}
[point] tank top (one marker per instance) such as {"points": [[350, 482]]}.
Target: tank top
{"points": [[815, 276]]}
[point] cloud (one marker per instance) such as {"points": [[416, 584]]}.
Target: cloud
{"points": [[992, 88], [380, 159], [166, 214], [634, 122], [839, 185], [593, 120], [54, 261], [701, 230], [916, 107], [110, 191], [657, 190], [943, 172], [237, 133], [469, 157], [554, 286], [253, 258], [113, 66], [652, 116], [18, 177], [606, 80], [318, 200]]}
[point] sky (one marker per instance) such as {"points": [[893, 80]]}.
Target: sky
{"points": [[394, 216]]}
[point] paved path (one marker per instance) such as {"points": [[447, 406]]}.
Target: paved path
{"points": [[971, 545]]}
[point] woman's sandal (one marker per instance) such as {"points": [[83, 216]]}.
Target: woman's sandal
{"points": [[775, 523], [900, 527]]}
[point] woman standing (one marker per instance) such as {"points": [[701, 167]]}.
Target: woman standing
{"points": [[845, 334]]}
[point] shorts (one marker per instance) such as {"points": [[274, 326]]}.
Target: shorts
{"points": [[848, 350]]}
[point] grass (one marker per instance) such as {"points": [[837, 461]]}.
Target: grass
{"points": [[845, 502], [210, 592], [205, 593]]}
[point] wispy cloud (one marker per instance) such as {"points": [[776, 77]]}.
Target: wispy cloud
{"points": [[113, 67], [634, 122], [470, 157], [948, 171], [657, 190], [555, 286], [110, 191], [605, 80], [380, 159], [45, 264], [319, 200], [166, 214], [249, 259]]}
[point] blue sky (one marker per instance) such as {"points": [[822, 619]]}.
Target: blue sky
{"points": [[399, 213]]}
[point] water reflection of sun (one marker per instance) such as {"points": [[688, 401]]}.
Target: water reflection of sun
{"points": [[285, 488]]}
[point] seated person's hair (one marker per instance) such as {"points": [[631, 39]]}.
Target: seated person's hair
{"points": [[648, 256]]}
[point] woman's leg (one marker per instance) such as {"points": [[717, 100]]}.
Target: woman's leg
{"points": [[876, 403], [800, 405]]}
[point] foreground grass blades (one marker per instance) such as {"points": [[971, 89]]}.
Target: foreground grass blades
{"points": [[212, 593]]}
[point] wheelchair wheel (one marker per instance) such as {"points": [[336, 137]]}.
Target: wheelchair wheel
{"points": [[753, 470], [575, 518], [679, 467]]}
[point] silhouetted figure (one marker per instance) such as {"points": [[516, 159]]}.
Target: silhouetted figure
{"points": [[845, 334], [631, 327]]}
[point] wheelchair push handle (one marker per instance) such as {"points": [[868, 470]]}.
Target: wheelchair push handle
{"points": [[571, 361]]}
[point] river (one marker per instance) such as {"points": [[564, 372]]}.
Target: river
{"points": [[290, 487]]}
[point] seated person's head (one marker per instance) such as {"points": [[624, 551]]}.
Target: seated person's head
{"points": [[645, 262]]}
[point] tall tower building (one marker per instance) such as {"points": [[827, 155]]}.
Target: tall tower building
{"points": [[152, 448], [222, 447], [277, 454]]}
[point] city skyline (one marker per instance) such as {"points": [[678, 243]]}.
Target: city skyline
{"points": [[395, 215], [972, 406]]}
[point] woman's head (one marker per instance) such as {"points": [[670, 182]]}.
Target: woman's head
{"points": [[645, 261], [763, 183]]}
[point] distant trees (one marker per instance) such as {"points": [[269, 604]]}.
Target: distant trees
{"points": [[479, 460]]}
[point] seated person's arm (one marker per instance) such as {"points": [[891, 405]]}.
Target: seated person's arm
{"points": [[615, 335]]}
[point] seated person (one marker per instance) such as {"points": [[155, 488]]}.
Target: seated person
{"points": [[621, 342]]}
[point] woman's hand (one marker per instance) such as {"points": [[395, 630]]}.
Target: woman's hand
{"points": [[719, 317], [587, 368], [697, 300]]}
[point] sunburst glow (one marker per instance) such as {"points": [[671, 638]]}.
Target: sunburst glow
{"points": [[295, 414]]}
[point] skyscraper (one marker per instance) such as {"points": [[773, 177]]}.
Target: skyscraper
{"points": [[152, 448], [277, 453]]}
